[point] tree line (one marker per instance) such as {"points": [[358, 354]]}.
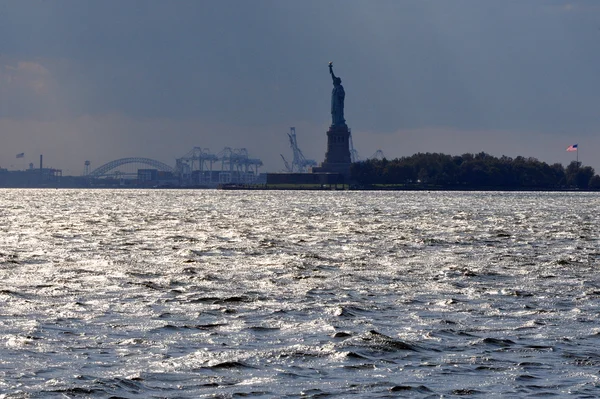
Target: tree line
{"points": [[473, 171]]}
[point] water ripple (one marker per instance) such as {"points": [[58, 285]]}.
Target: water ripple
{"points": [[175, 293]]}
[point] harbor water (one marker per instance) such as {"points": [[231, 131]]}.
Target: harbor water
{"points": [[287, 294]]}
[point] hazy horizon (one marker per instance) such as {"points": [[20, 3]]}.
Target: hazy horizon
{"points": [[103, 80]]}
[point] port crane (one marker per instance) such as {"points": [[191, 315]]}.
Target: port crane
{"points": [[299, 163], [353, 153], [378, 155]]}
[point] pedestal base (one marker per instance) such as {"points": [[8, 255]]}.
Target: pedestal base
{"points": [[337, 157], [338, 145]]}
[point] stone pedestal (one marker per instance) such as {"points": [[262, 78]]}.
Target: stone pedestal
{"points": [[337, 157]]}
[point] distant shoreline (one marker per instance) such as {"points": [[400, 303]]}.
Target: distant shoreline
{"points": [[395, 188], [340, 187]]}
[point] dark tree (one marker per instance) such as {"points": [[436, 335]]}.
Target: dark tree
{"points": [[468, 171]]}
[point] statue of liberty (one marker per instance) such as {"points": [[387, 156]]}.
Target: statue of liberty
{"points": [[337, 100]]}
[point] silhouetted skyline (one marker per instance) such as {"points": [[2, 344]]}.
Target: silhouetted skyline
{"points": [[102, 80]]}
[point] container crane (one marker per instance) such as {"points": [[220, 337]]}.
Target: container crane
{"points": [[353, 153], [378, 155], [299, 163]]}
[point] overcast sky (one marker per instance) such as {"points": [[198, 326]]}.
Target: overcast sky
{"points": [[101, 80]]}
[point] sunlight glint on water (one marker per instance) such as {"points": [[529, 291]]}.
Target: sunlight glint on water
{"points": [[174, 293]]}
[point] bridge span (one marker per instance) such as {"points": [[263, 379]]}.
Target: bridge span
{"points": [[197, 167], [114, 166]]}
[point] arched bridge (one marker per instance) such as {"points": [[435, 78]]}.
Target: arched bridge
{"points": [[107, 167]]}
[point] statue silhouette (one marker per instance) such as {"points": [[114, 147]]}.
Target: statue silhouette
{"points": [[337, 100]]}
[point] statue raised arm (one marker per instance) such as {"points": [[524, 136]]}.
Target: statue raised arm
{"points": [[331, 71], [337, 100]]}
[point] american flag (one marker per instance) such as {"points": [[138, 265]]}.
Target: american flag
{"points": [[572, 148]]}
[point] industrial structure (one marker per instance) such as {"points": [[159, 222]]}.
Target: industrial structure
{"points": [[113, 168], [299, 162], [197, 168], [378, 155], [31, 177], [353, 153]]}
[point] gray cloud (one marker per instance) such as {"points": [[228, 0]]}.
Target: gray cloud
{"points": [[246, 71]]}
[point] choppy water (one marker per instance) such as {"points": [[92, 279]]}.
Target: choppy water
{"points": [[191, 294]]}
